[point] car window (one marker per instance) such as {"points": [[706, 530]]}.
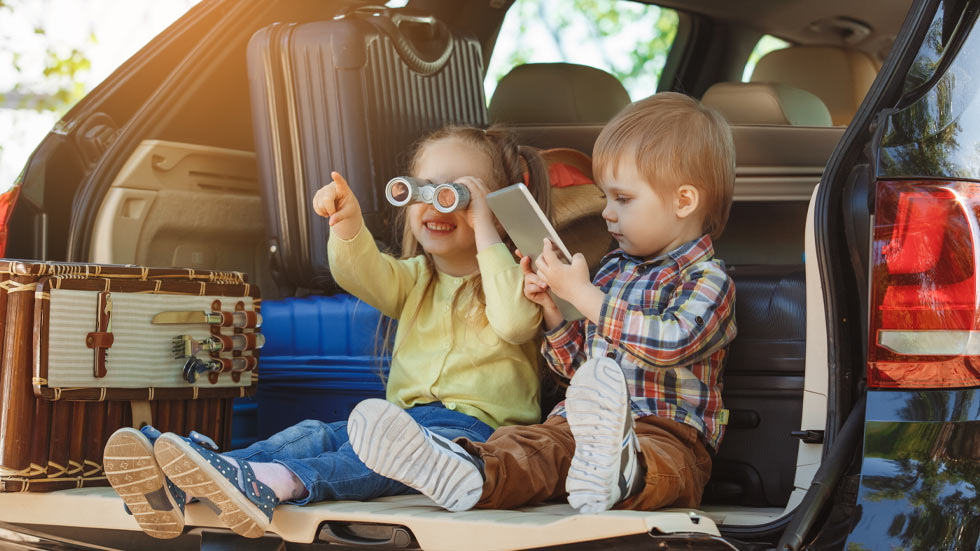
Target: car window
{"points": [[942, 29], [626, 39], [766, 44]]}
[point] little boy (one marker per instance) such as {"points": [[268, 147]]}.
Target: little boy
{"points": [[643, 412]]}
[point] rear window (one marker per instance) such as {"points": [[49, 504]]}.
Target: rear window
{"points": [[626, 39], [766, 44]]}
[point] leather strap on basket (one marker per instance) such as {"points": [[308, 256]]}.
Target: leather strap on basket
{"points": [[142, 413], [216, 332], [239, 362], [237, 375], [101, 339]]}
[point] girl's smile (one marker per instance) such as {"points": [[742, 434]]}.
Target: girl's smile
{"points": [[439, 227], [448, 237]]}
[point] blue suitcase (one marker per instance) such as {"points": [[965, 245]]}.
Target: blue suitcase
{"points": [[320, 359]]}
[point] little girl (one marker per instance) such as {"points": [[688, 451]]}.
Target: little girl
{"points": [[464, 360]]}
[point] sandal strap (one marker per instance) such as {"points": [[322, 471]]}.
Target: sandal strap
{"points": [[244, 479], [201, 440], [152, 433]]}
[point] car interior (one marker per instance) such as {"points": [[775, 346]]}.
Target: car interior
{"points": [[189, 196]]}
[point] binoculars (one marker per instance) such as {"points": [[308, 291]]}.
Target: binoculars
{"points": [[404, 190]]}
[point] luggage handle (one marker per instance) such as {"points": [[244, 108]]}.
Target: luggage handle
{"points": [[389, 21]]}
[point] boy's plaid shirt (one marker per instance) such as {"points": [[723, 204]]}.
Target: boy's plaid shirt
{"points": [[668, 322]]}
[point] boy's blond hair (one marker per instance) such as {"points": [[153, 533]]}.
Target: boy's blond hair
{"points": [[674, 140]]}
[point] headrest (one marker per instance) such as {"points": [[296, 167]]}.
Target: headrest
{"points": [[577, 204], [557, 93], [839, 76], [766, 103]]}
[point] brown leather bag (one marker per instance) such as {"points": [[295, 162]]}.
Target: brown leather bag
{"points": [[81, 357]]}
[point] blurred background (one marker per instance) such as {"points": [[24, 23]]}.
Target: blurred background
{"points": [[53, 52]]}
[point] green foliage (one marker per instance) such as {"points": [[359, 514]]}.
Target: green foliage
{"points": [[591, 28], [766, 44], [58, 84]]}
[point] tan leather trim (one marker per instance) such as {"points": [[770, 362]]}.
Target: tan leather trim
{"points": [[755, 145], [556, 93], [839, 76], [766, 103], [142, 413]]}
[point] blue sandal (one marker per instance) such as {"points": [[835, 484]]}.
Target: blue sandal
{"points": [[228, 485], [155, 502]]}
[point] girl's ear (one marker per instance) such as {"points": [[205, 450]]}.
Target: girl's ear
{"points": [[686, 200]]}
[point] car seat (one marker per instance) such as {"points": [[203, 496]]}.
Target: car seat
{"points": [[766, 103], [783, 138], [556, 93], [839, 76]]}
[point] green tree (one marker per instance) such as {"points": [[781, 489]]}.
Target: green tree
{"points": [[52, 86], [58, 85], [580, 29]]}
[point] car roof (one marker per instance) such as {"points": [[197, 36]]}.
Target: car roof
{"points": [[868, 25]]}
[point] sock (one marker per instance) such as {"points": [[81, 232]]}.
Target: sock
{"points": [[283, 482]]}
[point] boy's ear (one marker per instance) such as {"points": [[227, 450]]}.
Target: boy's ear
{"points": [[686, 200]]}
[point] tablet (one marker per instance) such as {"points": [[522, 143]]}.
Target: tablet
{"points": [[527, 227]]}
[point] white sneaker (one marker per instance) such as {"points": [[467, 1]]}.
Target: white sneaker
{"points": [[605, 468], [392, 444]]}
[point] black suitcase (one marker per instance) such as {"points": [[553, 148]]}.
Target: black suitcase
{"points": [[352, 95]]}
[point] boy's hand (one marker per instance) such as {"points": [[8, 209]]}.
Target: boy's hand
{"points": [[536, 291], [337, 202], [478, 214], [564, 279], [570, 281]]}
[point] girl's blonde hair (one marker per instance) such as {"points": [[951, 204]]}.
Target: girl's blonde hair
{"points": [[511, 163]]}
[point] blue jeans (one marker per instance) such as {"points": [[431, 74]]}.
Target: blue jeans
{"points": [[320, 456]]}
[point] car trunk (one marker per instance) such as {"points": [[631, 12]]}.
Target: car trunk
{"points": [[372, 524], [166, 169]]}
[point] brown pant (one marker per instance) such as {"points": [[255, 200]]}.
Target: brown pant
{"points": [[526, 465]]}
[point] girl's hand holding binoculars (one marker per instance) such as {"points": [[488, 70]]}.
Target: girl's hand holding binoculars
{"points": [[336, 202], [478, 213]]}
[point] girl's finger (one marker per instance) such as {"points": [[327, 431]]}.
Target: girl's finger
{"points": [[526, 265], [342, 185], [471, 182], [321, 201], [328, 201]]}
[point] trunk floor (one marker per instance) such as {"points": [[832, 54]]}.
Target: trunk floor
{"points": [[433, 527]]}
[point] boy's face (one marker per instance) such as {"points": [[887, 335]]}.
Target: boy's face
{"points": [[640, 220]]}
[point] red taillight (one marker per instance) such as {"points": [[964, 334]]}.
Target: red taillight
{"points": [[925, 312], [7, 201]]}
